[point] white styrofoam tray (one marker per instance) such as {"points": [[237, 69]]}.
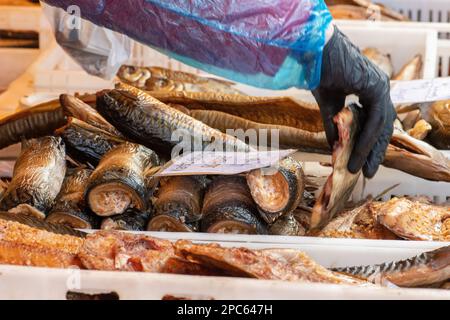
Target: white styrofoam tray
{"points": [[41, 283]]}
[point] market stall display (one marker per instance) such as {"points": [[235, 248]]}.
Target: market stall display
{"points": [[86, 196]]}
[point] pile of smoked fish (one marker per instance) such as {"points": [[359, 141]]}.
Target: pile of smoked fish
{"points": [[31, 242], [91, 162]]}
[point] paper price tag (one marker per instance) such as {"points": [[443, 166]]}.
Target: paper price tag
{"points": [[416, 91], [222, 163]]}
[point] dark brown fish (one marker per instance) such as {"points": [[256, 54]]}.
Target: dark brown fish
{"points": [[77, 108], [287, 225], [152, 123], [425, 269], [178, 204], [277, 193], [282, 111], [414, 156], [162, 79], [70, 207], [85, 142], [131, 220], [35, 122], [287, 137], [37, 179], [341, 182], [228, 207], [122, 180]]}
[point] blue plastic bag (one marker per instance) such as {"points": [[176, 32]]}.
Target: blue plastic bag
{"points": [[274, 44]]}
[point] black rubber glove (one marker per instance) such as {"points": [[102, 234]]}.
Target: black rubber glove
{"points": [[346, 71]]}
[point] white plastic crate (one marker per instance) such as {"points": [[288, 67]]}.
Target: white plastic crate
{"points": [[62, 74], [421, 10], [15, 61], [42, 283], [20, 18]]}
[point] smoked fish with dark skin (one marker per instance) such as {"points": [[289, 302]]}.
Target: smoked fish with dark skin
{"points": [[37, 178], [122, 180], [35, 122], [87, 143], [70, 208], [142, 118], [178, 204], [228, 207], [131, 220], [278, 193]]}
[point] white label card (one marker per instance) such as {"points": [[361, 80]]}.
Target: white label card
{"points": [[222, 163], [416, 91]]}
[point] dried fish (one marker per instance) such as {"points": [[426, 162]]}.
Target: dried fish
{"points": [[270, 264], [287, 137], [383, 61], [415, 220], [410, 119], [228, 207], [146, 120], [280, 111], [37, 179], [438, 115], [417, 158], [341, 182], [27, 246], [161, 79], [358, 223], [114, 251], [178, 205], [122, 180], [425, 269], [280, 192], [70, 208], [77, 108], [85, 142], [34, 122], [411, 71], [420, 130]]}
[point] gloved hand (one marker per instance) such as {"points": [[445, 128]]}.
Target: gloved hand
{"points": [[346, 71]]}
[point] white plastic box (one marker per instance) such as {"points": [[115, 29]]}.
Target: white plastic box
{"points": [[14, 62], [62, 74], [42, 283]]}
